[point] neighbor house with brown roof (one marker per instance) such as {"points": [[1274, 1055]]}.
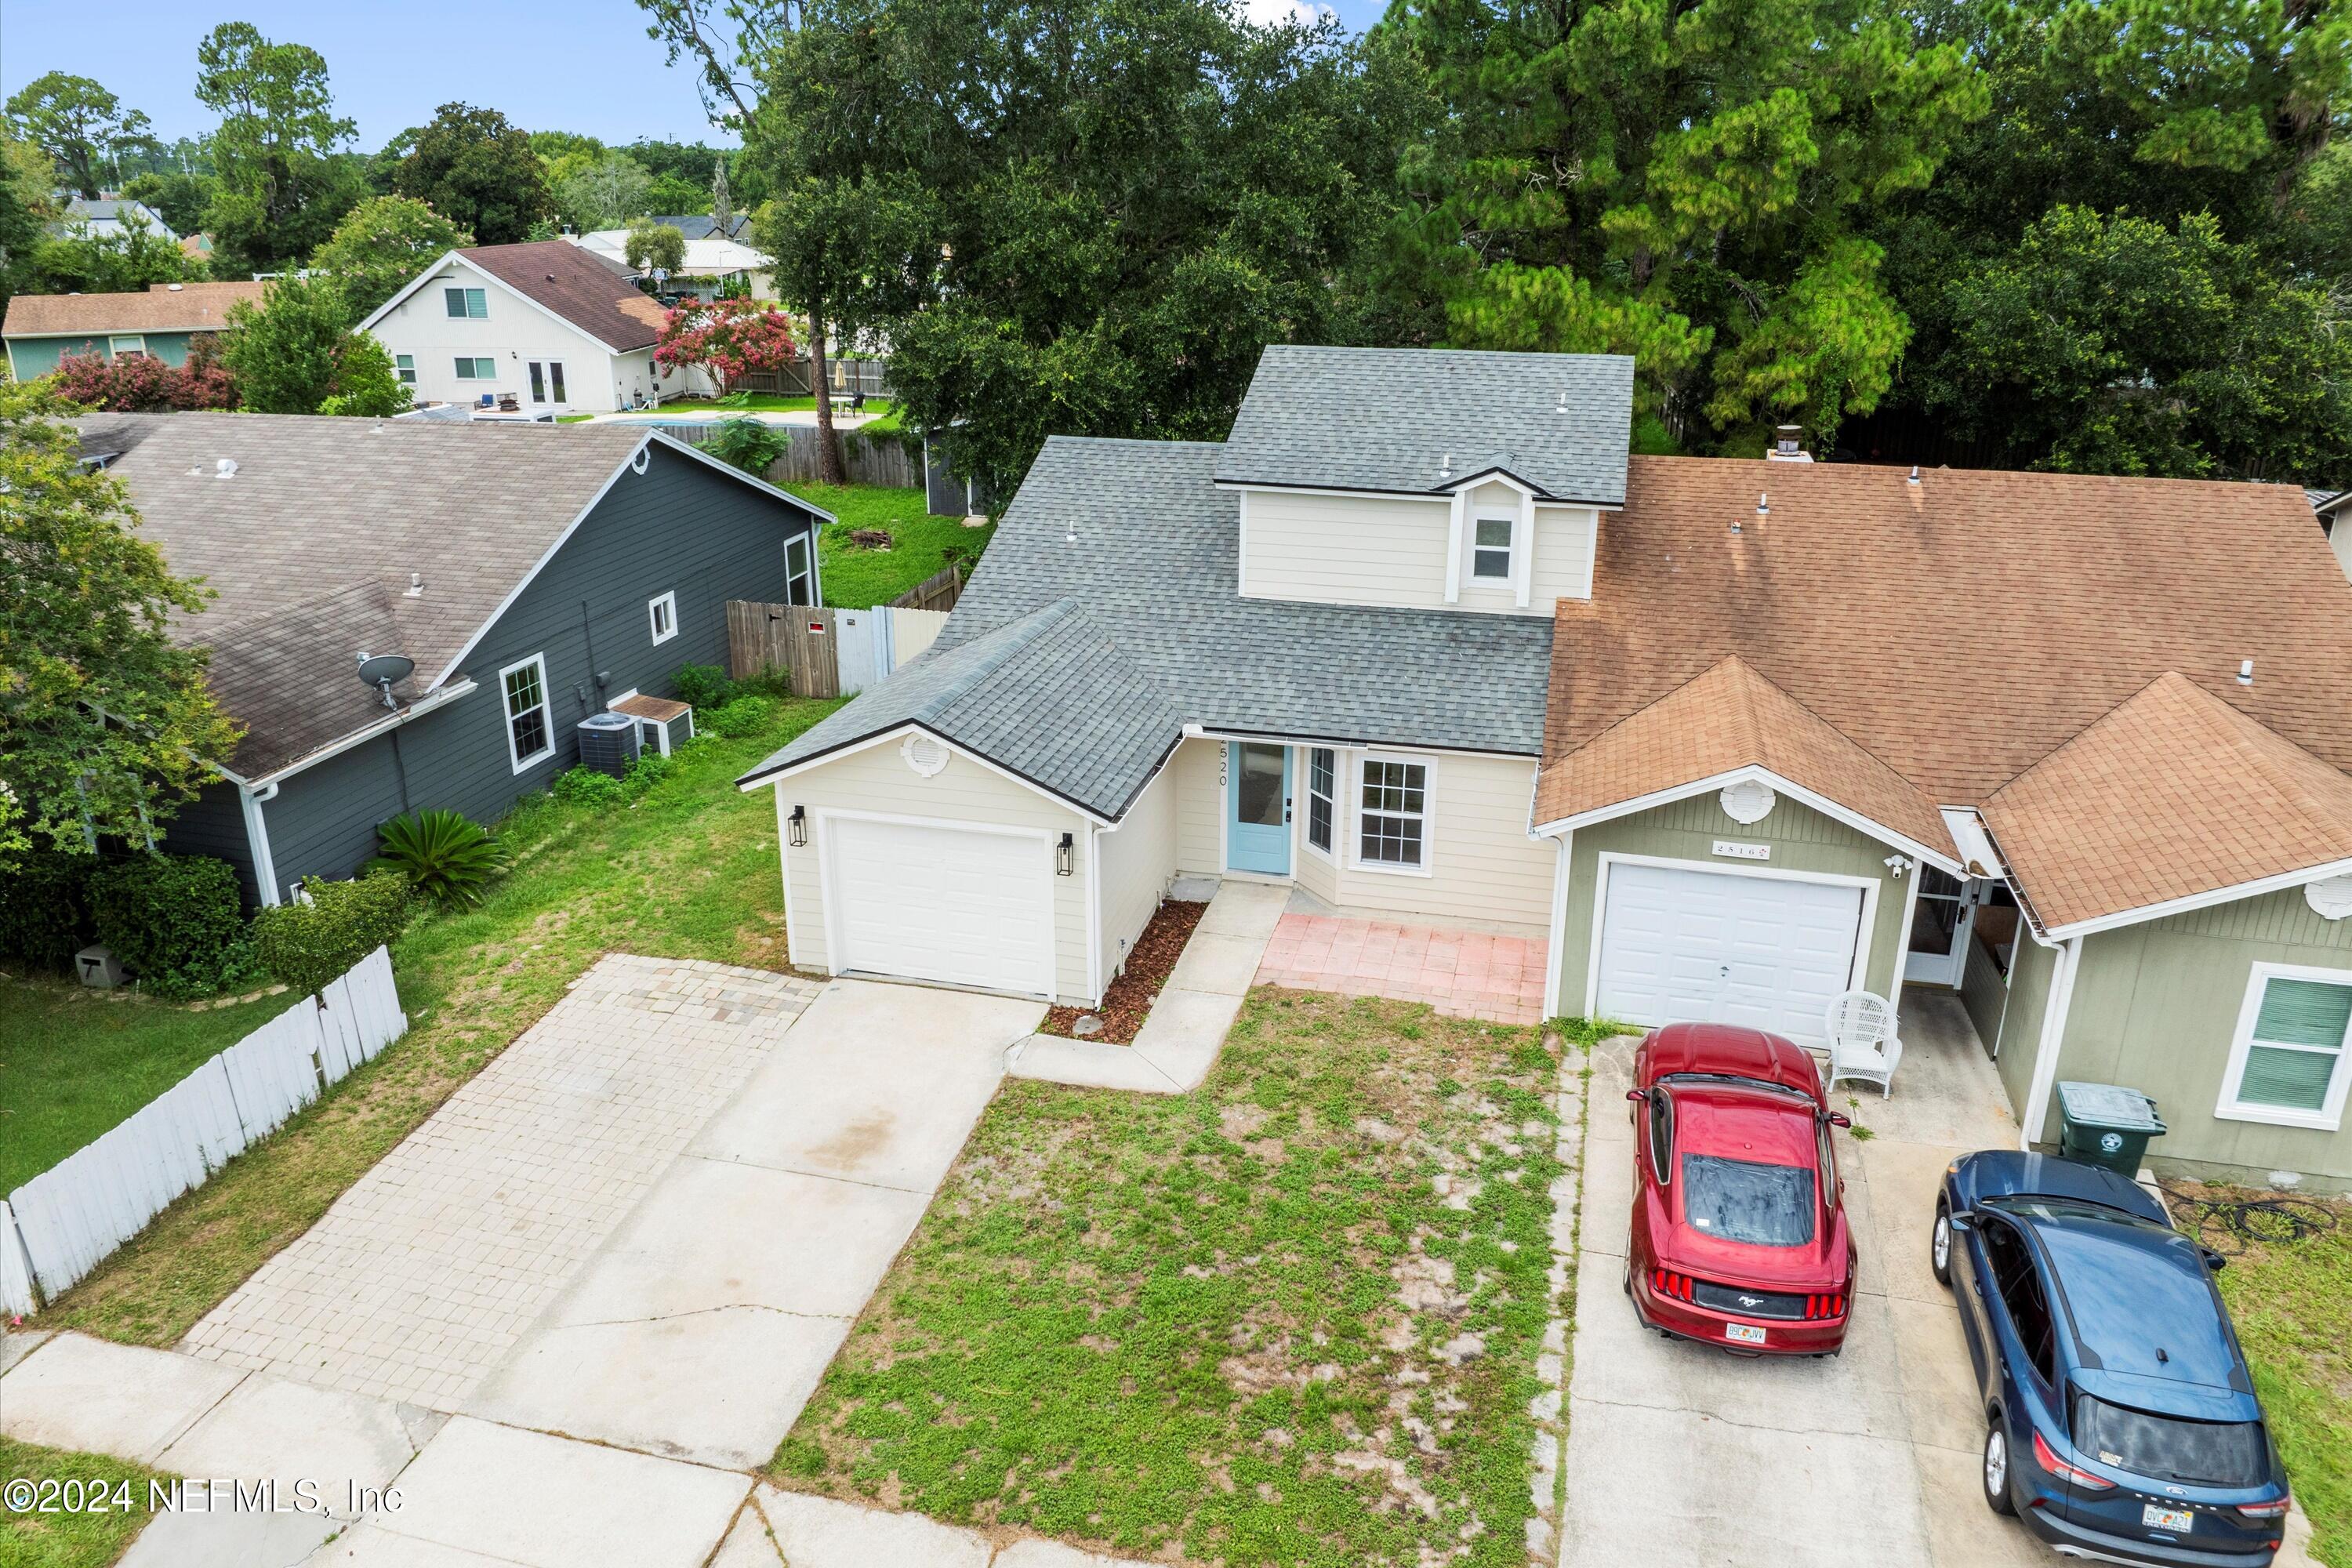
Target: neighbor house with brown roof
{"points": [[1419, 640], [543, 328], [521, 579], [160, 323]]}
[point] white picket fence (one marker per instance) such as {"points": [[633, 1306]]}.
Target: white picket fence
{"points": [[57, 1227]]}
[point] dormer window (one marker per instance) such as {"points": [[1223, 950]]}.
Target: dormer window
{"points": [[1490, 551]]}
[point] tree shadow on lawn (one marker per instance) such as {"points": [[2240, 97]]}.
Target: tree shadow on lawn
{"points": [[1291, 1318]]}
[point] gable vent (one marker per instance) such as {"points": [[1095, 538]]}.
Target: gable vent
{"points": [[925, 756]]}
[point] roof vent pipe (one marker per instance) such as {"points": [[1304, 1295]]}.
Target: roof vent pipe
{"points": [[1445, 466], [1915, 474], [1763, 504], [2245, 672]]}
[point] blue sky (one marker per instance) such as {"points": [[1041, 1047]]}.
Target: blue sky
{"points": [[549, 65]]}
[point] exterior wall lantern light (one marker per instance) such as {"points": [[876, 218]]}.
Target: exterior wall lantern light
{"points": [[1062, 855], [798, 824]]}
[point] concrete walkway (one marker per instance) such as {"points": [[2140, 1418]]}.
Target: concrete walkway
{"points": [[1180, 1041]]}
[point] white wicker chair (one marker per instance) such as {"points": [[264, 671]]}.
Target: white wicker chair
{"points": [[1862, 1043]]}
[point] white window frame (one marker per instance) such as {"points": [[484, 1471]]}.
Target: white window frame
{"points": [[126, 343], [1509, 547], [807, 539], [465, 312], [474, 363], [507, 715], [404, 367], [660, 607], [1355, 861], [2329, 1117], [1339, 818]]}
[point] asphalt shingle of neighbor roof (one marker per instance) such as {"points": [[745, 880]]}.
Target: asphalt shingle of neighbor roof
{"points": [[1964, 628], [1390, 420], [1153, 569], [190, 308], [309, 547], [577, 285]]}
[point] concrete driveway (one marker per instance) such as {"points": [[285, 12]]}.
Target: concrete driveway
{"points": [[1680, 1454]]}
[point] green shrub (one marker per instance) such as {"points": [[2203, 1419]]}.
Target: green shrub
{"points": [[743, 716], [751, 445], [586, 786], [175, 921], [702, 685], [446, 857], [45, 913], [647, 771], [306, 944]]}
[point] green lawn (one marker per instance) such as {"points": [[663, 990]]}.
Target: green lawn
{"points": [[73, 1062], [688, 871], [858, 578], [1290, 1318], [92, 1538], [2293, 1304]]}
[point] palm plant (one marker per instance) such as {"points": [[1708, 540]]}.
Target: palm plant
{"points": [[444, 856]]}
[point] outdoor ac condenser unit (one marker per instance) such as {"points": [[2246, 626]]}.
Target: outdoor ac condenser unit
{"points": [[608, 742]]}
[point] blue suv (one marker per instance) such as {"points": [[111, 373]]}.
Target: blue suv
{"points": [[2121, 1423]]}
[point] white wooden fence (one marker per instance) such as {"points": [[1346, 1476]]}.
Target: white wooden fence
{"points": [[57, 1227]]}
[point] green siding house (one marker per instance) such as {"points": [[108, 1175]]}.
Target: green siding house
{"points": [[39, 330]]}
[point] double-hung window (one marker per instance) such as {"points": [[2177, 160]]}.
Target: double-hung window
{"points": [[799, 581], [466, 304], [1392, 817], [405, 364], [663, 615], [1322, 796], [472, 369], [1490, 549], [524, 688], [2286, 1064]]}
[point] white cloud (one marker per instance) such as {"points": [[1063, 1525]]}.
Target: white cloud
{"points": [[1281, 12]]}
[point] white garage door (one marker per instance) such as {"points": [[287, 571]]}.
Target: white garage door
{"points": [[950, 904], [1680, 946]]}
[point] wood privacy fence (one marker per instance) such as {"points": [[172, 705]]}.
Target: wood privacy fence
{"points": [[60, 1224], [864, 459], [828, 652]]}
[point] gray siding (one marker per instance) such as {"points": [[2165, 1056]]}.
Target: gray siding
{"points": [[214, 824], [678, 527]]}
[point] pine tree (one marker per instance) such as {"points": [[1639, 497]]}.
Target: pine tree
{"points": [[722, 205]]}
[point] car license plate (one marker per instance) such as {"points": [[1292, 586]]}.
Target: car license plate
{"points": [[2155, 1516], [1740, 1333]]}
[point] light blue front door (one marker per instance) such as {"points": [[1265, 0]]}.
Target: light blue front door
{"points": [[1257, 798]]}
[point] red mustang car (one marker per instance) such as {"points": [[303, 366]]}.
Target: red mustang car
{"points": [[1739, 1231]]}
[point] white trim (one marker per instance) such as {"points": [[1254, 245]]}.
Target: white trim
{"points": [[1241, 545], [2329, 1117], [1451, 487], [2053, 1038], [1789, 787], [820, 819], [1342, 742], [257, 841], [2230, 895], [898, 732], [1224, 807], [458, 259], [1329, 854], [654, 608], [1912, 874], [808, 550], [1523, 551], [1513, 550], [1355, 858], [440, 697], [1558, 926], [1453, 527], [785, 862], [1863, 930], [740, 477], [507, 715], [1096, 984]]}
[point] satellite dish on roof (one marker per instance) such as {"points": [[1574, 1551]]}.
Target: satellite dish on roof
{"points": [[384, 669]]}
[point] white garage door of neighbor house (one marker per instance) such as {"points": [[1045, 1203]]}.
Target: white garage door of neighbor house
{"points": [[943, 903], [1680, 946]]}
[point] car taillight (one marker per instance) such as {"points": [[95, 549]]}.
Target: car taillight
{"points": [[1830, 1306], [2264, 1510], [1666, 1282], [2066, 1472]]}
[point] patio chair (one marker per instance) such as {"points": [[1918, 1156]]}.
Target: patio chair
{"points": [[1862, 1043]]}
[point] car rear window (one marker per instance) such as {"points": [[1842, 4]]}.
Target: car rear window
{"points": [[2213, 1453], [1746, 1200]]}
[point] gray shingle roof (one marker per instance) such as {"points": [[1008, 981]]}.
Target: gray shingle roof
{"points": [[308, 546], [1151, 575], [1389, 419]]}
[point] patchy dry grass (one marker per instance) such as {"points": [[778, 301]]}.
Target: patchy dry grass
{"points": [[688, 871], [1291, 1318]]}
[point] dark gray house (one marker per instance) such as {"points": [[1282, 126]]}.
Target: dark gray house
{"points": [[535, 574]]}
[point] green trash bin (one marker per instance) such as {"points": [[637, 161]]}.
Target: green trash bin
{"points": [[2106, 1124]]}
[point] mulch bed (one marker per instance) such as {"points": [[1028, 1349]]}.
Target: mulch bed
{"points": [[1129, 1001]]}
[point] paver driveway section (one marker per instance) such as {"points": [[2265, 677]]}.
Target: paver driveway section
{"points": [[421, 1278], [1679, 1453], [700, 1329]]}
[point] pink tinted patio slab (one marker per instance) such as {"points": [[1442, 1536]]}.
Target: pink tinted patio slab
{"points": [[1468, 974]]}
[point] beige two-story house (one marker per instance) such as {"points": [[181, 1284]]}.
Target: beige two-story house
{"points": [[1420, 639]]}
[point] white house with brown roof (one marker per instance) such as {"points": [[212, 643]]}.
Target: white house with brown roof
{"points": [[162, 323], [540, 328], [1732, 737]]}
